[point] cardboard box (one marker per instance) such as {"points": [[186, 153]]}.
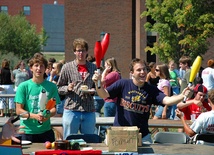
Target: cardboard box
{"points": [[122, 139]]}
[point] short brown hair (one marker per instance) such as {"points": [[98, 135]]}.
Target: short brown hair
{"points": [[185, 60], [38, 59], [80, 42], [135, 61]]}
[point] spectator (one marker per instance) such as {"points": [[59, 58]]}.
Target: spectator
{"points": [[163, 112], [37, 126], [79, 105], [52, 60], [55, 73], [110, 75], [6, 82], [151, 76], [197, 105], [174, 83], [135, 97], [20, 74], [152, 79], [205, 121], [48, 71], [164, 86], [185, 63], [208, 75]]}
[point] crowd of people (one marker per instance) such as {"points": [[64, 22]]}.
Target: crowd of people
{"points": [[162, 87]]}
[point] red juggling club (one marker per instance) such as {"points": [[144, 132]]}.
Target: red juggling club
{"points": [[98, 57], [105, 43]]}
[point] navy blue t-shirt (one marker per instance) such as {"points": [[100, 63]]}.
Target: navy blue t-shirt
{"points": [[133, 104]]}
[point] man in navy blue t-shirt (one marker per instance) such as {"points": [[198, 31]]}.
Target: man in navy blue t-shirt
{"points": [[135, 97]]}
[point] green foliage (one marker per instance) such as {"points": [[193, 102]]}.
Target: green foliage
{"points": [[183, 27], [19, 37]]}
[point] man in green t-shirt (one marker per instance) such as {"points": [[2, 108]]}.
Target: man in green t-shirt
{"points": [[28, 99]]}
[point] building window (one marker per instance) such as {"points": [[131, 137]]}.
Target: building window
{"points": [[26, 10], [4, 9]]}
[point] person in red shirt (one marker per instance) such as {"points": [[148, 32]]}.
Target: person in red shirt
{"points": [[197, 105]]}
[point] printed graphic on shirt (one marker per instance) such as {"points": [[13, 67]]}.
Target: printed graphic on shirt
{"points": [[210, 128], [82, 69], [34, 103], [138, 102]]}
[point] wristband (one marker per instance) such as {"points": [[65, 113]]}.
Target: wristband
{"points": [[28, 116], [26, 112]]}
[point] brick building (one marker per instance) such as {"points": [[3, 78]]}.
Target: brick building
{"points": [[33, 9], [88, 18], [120, 18], [47, 14]]}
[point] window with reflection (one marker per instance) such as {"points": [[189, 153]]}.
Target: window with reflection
{"points": [[4, 9], [26, 10]]}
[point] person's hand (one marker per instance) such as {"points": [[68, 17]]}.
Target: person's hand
{"points": [[9, 131], [164, 113], [96, 77], [187, 92], [107, 69], [179, 113], [43, 116], [71, 86]]}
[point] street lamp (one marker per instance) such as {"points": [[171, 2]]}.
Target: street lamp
{"points": [[102, 34]]}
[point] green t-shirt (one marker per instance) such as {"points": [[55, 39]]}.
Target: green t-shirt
{"points": [[173, 78], [28, 94]]}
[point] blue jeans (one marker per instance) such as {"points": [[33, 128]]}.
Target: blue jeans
{"points": [[98, 103], [160, 111], [147, 139], [109, 109], [176, 91], [60, 107], [74, 121]]}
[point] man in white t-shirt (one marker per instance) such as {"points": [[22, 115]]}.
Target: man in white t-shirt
{"points": [[208, 75], [205, 121]]}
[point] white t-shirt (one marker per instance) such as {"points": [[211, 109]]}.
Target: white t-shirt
{"points": [[204, 123], [208, 77]]}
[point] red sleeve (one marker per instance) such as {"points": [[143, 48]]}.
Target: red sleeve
{"points": [[186, 112], [207, 106]]}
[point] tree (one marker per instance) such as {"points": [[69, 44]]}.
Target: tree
{"points": [[183, 27], [18, 36]]}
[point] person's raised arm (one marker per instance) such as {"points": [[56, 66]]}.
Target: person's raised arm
{"points": [[103, 93], [176, 98], [187, 129], [182, 105]]}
